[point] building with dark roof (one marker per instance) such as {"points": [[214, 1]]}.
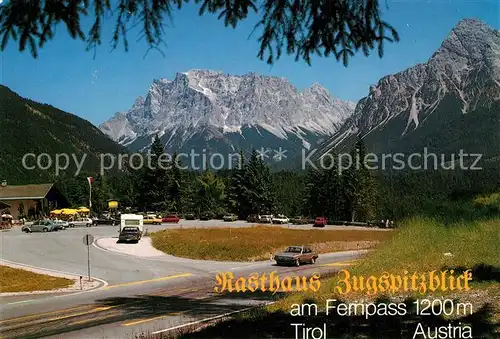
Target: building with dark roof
{"points": [[3, 206], [36, 200]]}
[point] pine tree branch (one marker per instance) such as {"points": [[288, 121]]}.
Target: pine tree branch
{"points": [[295, 27]]}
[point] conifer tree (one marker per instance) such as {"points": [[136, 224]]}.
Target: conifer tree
{"points": [[211, 192], [153, 187], [359, 186], [236, 190], [258, 186]]}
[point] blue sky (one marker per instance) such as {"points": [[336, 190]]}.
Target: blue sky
{"points": [[68, 77]]}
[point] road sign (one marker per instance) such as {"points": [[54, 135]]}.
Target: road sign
{"points": [[88, 239]]}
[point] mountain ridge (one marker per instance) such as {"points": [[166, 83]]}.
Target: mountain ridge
{"points": [[46, 130], [221, 105], [461, 77]]}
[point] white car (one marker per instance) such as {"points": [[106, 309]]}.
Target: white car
{"points": [[268, 218], [61, 224], [81, 222], [280, 219]]}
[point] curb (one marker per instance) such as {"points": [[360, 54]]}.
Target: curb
{"points": [[242, 263], [41, 270], [99, 247]]}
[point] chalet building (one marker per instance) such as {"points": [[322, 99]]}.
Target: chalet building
{"points": [[36, 200], [3, 207]]}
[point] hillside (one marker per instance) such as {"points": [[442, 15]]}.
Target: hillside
{"points": [[447, 104], [31, 127]]}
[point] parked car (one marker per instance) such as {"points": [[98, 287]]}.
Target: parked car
{"points": [[40, 226], [61, 225], [266, 219], [219, 215], [130, 234], [171, 219], [280, 219], [190, 216], [230, 217], [152, 220], [320, 222], [81, 222], [296, 255], [253, 218], [299, 220], [207, 216], [105, 221]]}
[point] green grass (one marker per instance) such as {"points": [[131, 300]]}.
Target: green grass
{"points": [[17, 280], [420, 247], [258, 243]]}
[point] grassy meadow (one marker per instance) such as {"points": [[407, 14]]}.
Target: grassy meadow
{"points": [[461, 236], [423, 245], [257, 243], [17, 280]]}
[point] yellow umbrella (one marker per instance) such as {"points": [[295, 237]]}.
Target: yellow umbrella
{"points": [[83, 209], [68, 211], [56, 212]]}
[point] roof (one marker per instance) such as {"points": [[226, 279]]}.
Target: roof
{"points": [[18, 192]]}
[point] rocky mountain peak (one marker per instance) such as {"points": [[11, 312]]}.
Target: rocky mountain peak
{"points": [[469, 40], [199, 100], [465, 71]]}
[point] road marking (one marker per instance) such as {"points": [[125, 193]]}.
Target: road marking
{"points": [[150, 319], [151, 280], [20, 302], [340, 263], [211, 318], [41, 314], [90, 320], [95, 310]]}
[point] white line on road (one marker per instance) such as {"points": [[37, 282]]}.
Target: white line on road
{"points": [[20, 302], [211, 318]]}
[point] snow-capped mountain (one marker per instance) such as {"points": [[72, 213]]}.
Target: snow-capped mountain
{"points": [[204, 109], [450, 101]]}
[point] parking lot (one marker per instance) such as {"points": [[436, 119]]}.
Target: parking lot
{"points": [[65, 251]]}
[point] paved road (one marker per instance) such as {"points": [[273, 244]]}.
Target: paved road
{"points": [[144, 294]]}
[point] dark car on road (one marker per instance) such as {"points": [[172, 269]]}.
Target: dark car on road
{"points": [[320, 222], [190, 216], [105, 221], [130, 234], [299, 220], [207, 216], [253, 218], [296, 255]]}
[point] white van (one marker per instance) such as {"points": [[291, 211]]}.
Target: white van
{"points": [[131, 227], [131, 220]]}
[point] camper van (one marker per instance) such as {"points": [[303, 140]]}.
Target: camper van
{"points": [[131, 227]]}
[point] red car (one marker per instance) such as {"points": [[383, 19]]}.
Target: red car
{"points": [[171, 218], [320, 222]]}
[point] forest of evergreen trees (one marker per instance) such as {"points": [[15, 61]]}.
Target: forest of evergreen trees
{"points": [[356, 194]]}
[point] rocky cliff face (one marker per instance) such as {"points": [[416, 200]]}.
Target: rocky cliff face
{"points": [[462, 76], [203, 105]]}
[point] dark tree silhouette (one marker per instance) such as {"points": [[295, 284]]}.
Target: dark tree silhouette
{"points": [[298, 27]]}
